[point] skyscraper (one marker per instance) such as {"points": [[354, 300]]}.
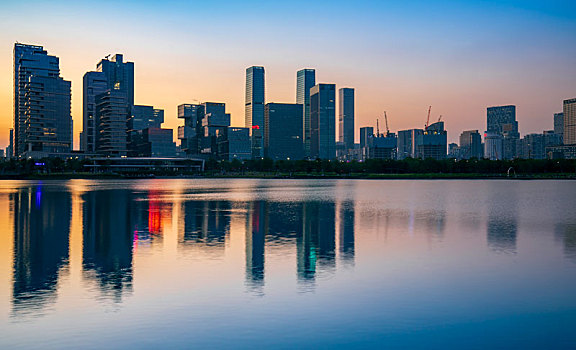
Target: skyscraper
{"points": [[407, 140], [190, 131], [213, 120], [570, 122], [94, 83], [119, 75], [111, 125], [254, 113], [42, 119], [305, 80], [365, 133], [323, 121], [346, 117], [283, 131], [432, 142], [559, 125], [501, 120], [146, 138], [471, 144]]}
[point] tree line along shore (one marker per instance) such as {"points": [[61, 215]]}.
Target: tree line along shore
{"points": [[267, 168]]}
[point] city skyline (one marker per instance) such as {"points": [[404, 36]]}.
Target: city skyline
{"points": [[460, 76]]}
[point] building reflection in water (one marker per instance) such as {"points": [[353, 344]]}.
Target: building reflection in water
{"points": [[347, 245], [257, 222], [566, 233], [115, 221], [41, 245], [316, 242], [150, 215], [206, 225], [502, 226], [108, 233]]}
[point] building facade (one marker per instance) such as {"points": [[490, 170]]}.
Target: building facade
{"points": [[346, 117], [189, 132], [492, 146], [283, 131], [470, 145], [37, 86], [94, 84], [152, 142], [559, 125], [213, 119], [254, 109], [305, 80], [365, 133], [47, 118], [501, 120], [111, 128], [570, 122], [432, 142], [382, 147], [323, 121], [119, 75], [234, 143]]}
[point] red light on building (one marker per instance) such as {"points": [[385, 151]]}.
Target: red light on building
{"points": [[255, 127]]}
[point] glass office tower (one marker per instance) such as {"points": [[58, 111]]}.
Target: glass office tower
{"points": [[305, 80]]}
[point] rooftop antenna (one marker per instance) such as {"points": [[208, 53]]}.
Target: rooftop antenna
{"points": [[377, 128]]}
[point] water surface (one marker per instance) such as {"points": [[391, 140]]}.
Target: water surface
{"points": [[242, 263]]}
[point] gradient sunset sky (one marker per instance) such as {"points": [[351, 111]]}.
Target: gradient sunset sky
{"points": [[401, 56]]}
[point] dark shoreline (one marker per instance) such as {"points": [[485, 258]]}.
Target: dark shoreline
{"points": [[426, 176]]}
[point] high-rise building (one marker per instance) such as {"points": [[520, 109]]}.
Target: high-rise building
{"points": [[152, 142], [432, 142], [323, 121], [570, 122], [119, 75], [47, 118], [346, 117], [111, 128], [559, 125], [143, 117], [254, 113], [492, 146], [190, 131], [470, 145], [365, 133], [213, 120], [94, 83], [42, 120], [234, 143], [305, 80], [283, 131], [381, 147], [502, 120], [407, 141]]}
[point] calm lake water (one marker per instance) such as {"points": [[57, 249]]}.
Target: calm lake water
{"points": [[238, 263]]}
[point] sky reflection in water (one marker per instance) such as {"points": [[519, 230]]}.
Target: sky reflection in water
{"points": [[303, 263]]}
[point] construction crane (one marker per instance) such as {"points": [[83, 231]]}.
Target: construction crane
{"points": [[439, 118], [387, 129], [428, 119]]}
